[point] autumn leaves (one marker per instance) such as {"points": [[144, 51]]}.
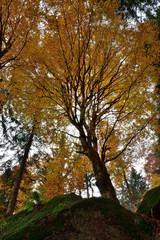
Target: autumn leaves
{"points": [[85, 65]]}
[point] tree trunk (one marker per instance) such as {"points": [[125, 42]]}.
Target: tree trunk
{"points": [[14, 194], [128, 187], [87, 186], [103, 181]]}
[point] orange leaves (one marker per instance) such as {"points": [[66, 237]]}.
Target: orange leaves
{"points": [[87, 65], [152, 169], [90, 52], [16, 18], [64, 175]]}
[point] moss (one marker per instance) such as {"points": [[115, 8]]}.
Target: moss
{"points": [[58, 213], [149, 201], [32, 223]]}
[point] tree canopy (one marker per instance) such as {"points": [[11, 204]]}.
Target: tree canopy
{"points": [[87, 68], [99, 74]]}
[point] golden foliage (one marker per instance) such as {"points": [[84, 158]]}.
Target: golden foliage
{"points": [[89, 66], [16, 19], [64, 173]]}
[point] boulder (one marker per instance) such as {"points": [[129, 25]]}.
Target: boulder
{"points": [[69, 217], [150, 205]]}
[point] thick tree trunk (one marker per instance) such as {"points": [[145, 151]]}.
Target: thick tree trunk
{"points": [[14, 194], [103, 181]]}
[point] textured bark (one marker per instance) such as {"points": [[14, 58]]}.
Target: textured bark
{"points": [[14, 194], [103, 181], [90, 149]]}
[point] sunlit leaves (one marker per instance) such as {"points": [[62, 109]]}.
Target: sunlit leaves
{"points": [[63, 173], [87, 65], [16, 21]]}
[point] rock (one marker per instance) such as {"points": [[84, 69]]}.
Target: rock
{"points": [[150, 205], [69, 217]]}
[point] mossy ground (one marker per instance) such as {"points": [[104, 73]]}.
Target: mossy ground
{"points": [[36, 224], [131, 223], [58, 213]]}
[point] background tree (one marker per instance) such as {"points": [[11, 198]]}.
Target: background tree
{"points": [[89, 184], [132, 190], [8, 179], [16, 187], [5, 187], [15, 146]]}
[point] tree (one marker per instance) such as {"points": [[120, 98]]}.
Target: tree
{"points": [[99, 74], [16, 142], [132, 190], [14, 194], [89, 183], [13, 140], [7, 180]]}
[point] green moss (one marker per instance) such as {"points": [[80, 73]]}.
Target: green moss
{"points": [[32, 223], [149, 201], [57, 213]]}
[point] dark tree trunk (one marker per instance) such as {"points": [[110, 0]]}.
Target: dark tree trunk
{"points": [[14, 194], [87, 186], [103, 181]]}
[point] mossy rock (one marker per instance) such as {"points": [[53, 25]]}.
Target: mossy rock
{"points": [[150, 205], [69, 217]]}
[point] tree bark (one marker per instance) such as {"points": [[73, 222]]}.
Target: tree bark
{"points": [[103, 181], [128, 187], [14, 194], [87, 186]]}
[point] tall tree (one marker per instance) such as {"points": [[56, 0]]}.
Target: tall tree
{"points": [[14, 194], [132, 189], [16, 143], [99, 74]]}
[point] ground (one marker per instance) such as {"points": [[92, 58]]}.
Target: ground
{"points": [[69, 217]]}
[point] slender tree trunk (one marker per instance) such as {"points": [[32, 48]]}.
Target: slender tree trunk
{"points": [[130, 195], [103, 181], [87, 186], [128, 187], [14, 194]]}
